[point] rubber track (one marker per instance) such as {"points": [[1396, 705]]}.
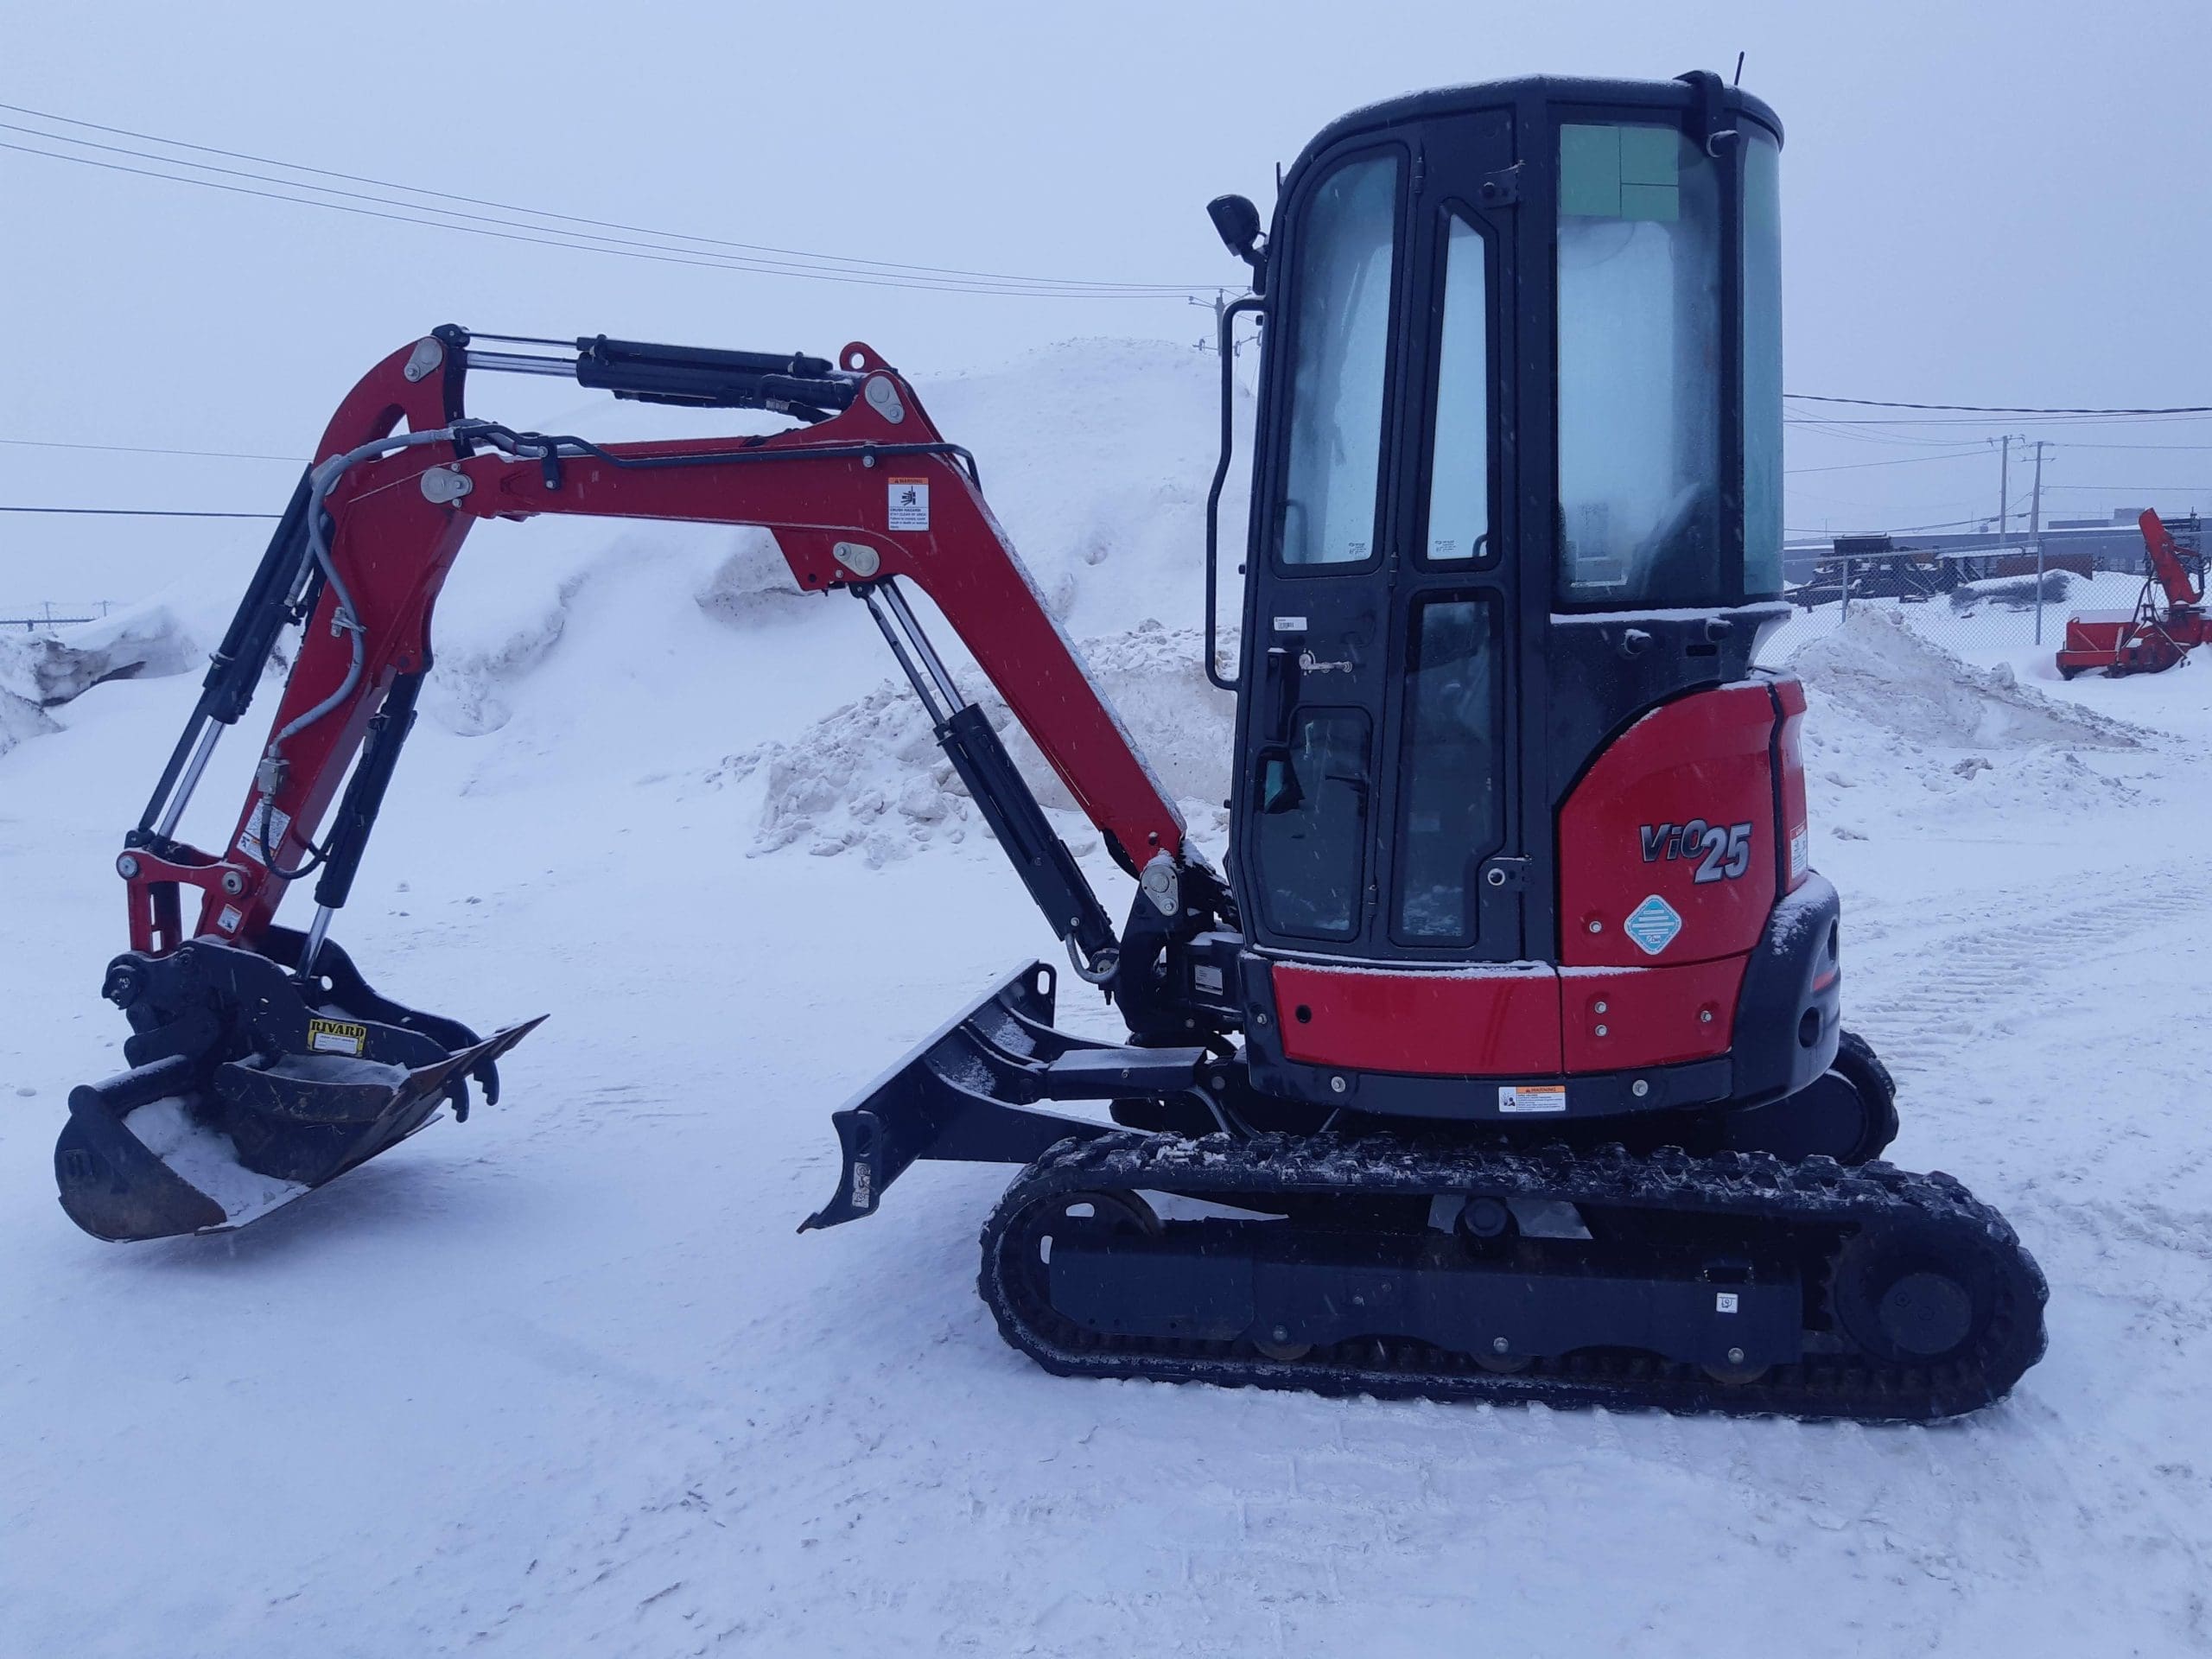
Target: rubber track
{"points": [[1818, 1192]]}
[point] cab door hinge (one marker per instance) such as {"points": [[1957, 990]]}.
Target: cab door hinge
{"points": [[1420, 167], [1501, 188]]}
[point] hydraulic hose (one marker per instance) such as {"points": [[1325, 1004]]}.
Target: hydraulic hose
{"points": [[321, 478]]}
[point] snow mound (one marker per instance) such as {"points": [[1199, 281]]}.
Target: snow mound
{"points": [[466, 692], [869, 776], [1096, 456], [145, 641], [1884, 673], [753, 585], [21, 718]]}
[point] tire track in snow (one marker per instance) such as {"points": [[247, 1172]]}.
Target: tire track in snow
{"points": [[1969, 977]]}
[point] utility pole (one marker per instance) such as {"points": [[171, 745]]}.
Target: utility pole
{"points": [[1216, 305], [2005, 488], [2035, 531]]}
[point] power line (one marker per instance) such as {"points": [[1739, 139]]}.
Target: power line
{"points": [[1825, 422], [2140, 489], [706, 262], [660, 249], [140, 512], [958, 283], [2175, 448], [1953, 451], [1895, 530], [1900, 461], [571, 218], [148, 449], [1995, 409]]}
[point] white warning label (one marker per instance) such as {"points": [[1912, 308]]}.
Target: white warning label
{"points": [[1519, 1097], [910, 504], [250, 838]]}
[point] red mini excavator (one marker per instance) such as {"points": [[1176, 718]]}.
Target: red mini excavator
{"points": [[2153, 637], [1505, 1060]]}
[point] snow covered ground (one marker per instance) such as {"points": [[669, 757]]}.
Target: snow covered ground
{"points": [[564, 1380]]}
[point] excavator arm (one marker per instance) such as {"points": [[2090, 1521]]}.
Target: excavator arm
{"points": [[270, 1036], [871, 493]]}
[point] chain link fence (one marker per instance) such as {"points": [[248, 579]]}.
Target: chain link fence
{"points": [[51, 613]]}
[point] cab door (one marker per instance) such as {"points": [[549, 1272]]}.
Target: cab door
{"points": [[1379, 788]]}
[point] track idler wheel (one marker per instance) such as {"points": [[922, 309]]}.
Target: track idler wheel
{"points": [[1901, 1295], [1090, 1214], [1849, 1112]]}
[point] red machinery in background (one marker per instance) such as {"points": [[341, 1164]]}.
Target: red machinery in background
{"points": [[2153, 636]]}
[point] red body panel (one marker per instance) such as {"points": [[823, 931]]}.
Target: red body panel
{"points": [[1796, 841], [1700, 765], [1518, 1019], [1496, 1021], [1619, 1018], [1706, 762]]}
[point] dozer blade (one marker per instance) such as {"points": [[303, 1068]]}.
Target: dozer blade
{"points": [[149, 1155], [964, 1093]]}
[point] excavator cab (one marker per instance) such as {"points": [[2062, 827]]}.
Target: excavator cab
{"points": [[1516, 496], [1512, 337]]}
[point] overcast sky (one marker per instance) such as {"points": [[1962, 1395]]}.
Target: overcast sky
{"points": [[1981, 206]]}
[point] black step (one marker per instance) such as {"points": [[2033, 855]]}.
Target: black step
{"points": [[1106, 1073]]}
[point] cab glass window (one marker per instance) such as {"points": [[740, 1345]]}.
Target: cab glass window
{"points": [[1340, 344], [1312, 795], [1458, 477], [1639, 365], [1450, 806]]}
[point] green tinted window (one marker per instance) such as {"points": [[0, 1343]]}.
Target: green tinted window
{"points": [[1762, 365], [1620, 172], [1639, 251]]}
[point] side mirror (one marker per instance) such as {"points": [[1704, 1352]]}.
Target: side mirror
{"points": [[1238, 222]]}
